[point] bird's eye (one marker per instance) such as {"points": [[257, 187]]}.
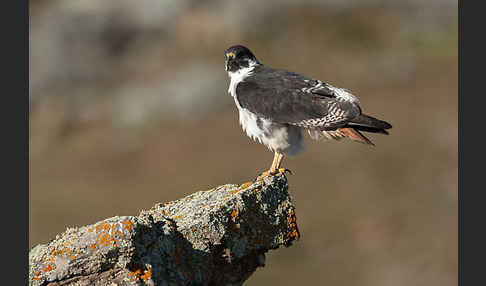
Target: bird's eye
{"points": [[230, 55]]}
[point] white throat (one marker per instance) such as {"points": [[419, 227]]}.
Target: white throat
{"points": [[240, 75]]}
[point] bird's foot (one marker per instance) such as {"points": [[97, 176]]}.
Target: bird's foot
{"points": [[262, 175], [277, 172]]}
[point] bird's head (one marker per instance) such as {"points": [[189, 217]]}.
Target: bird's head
{"points": [[239, 57]]}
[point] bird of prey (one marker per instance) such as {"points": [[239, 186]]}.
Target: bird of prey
{"points": [[275, 105]]}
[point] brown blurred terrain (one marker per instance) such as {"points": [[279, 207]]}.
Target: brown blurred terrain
{"points": [[129, 107]]}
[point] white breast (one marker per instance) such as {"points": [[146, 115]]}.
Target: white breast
{"points": [[248, 120], [237, 77], [249, 123]]}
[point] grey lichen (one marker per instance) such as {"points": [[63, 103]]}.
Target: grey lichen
{"points": [[214, 237]]}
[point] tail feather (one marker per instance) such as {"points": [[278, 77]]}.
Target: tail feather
{"points": [[352, 130], [355, 135], [367, 121], [369, 129]]}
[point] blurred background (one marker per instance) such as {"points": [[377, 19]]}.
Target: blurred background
{"points": [[129, 107]]}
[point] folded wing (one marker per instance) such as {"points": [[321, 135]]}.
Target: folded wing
{"points": [[290, 98]]}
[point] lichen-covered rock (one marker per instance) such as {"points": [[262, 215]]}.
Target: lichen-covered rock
{"points": [[214, 237]]}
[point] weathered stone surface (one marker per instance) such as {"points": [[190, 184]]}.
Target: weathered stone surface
{"points": [[214, 237]]}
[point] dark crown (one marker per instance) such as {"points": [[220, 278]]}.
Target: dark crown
{"points": [[238, 57], [239, 51]]}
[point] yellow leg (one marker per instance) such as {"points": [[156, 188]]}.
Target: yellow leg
{"points": [[277, 160]]}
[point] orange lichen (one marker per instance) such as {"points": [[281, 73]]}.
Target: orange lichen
{"points": [[63, 251], [106, 235], [104, 239], [147, 274], [178, 217], [228, 254], [37, 278], [127, 224], [294, 231], [38, 273], [99, 226], [135, 274], [234, 213], [48, 268], [246, 185]]}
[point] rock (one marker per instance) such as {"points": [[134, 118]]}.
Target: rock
{"points": [[214, 237]]}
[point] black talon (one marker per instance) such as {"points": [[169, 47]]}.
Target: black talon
{"points": [[288, 170]]}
